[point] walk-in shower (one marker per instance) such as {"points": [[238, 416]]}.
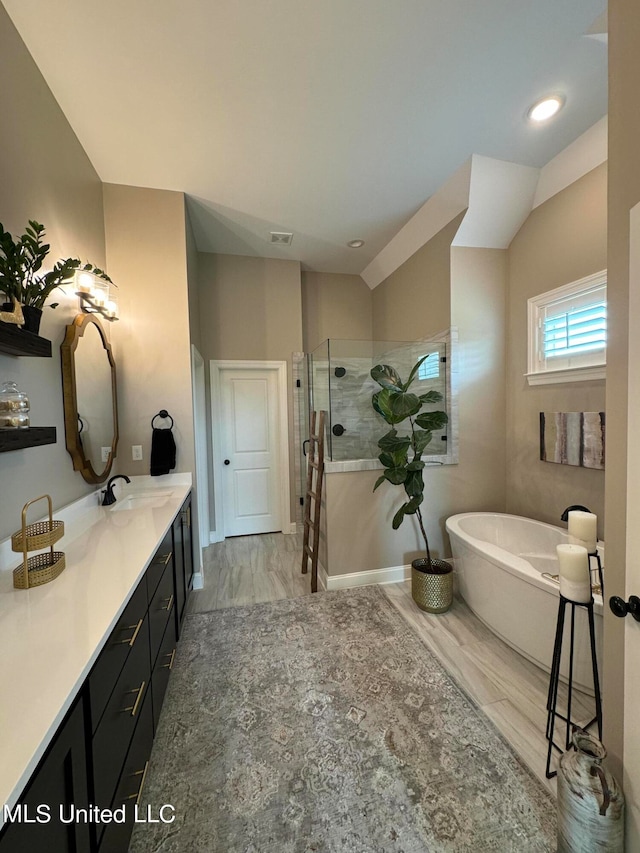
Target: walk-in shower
{"points": [[339, 382], [336, 378]]}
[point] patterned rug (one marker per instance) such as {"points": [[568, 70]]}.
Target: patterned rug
{"points": [[323, 724]]}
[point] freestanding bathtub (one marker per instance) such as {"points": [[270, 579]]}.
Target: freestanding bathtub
{"points": [[500, 561]]}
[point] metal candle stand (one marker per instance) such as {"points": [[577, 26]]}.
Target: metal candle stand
{"points": [[554, 681]]}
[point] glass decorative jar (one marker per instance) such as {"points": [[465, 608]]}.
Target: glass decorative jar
{"points": [[14, 407]]}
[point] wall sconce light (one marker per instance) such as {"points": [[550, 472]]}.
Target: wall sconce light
{"points": [[97, 295]]}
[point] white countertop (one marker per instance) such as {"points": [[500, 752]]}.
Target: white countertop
{"points": [[50, 636]]}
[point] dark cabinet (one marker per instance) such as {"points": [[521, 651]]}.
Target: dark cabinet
{"points": [[161, 611], [100, 754], [115, 838], [178, 550], [58, 786], [163, 557], [182, 548], [187, 545], [115, 730], [162, 670], [122, 742], [124, 637]]}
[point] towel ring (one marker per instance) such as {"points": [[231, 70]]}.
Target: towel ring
{"points": [[163, 413]]}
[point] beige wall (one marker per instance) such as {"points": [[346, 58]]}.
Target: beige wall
{"points": [[251, 309], [44, 175], [466, 288], [479, 281], [192, 280], [335, 306], [146, 255], [624, 194], [562, 240], [415, 300]]}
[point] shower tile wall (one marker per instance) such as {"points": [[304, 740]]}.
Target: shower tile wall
{"points": [[351, 407], [319, 377], [347, 398], [403, 357]]}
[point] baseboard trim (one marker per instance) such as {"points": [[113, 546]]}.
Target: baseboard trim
{"points": [[391, 574], [198, 580], [292, 528]]}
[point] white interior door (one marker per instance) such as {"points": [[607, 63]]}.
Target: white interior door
{"points": [[632, 628], [250, 444]]}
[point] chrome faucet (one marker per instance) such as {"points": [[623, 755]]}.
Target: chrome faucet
{"points": [[565, 514], [109, 498]]}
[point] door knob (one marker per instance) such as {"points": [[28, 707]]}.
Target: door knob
{"points": [[226, 462], [620, 607]]}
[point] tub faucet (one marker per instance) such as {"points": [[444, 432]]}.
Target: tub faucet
{"points": [[109, 498], [565, 514]]}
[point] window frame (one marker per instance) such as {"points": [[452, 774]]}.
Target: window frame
{"points": [[538, 370]]}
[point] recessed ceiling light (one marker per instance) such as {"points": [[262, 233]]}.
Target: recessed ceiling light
{"points": [[545, 108], [355, 244]]}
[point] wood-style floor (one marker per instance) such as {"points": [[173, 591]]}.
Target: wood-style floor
{"points": [[511, 691], [251, 569]]}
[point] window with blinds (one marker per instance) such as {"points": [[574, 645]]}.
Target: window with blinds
{"points": [[568, 332], [430, 367]]}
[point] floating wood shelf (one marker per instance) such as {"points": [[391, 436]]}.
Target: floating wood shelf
{"points": [[15, 341], [17, 439]]}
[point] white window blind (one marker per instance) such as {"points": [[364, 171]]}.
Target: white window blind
{"points": [[568, 330], [430, 367], [572, 328]]}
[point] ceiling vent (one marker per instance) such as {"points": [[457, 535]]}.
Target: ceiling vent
{"points": [[282, 238]]}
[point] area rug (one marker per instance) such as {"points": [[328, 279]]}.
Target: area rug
{"points": [[324, 724]]}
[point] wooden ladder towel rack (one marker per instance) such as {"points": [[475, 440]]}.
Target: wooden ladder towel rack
{"points": [[315, 476]]}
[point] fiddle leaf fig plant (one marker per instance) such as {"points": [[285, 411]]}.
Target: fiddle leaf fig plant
{"points": [[401, 454], [21, 263]]}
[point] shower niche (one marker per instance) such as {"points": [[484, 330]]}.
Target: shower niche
{"points": [[338, 381]]}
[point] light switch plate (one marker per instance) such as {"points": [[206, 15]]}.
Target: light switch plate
{"points": [[105, 454], [136, 452]]}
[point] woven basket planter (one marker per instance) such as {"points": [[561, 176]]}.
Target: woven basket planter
{"points": [[432, 586]]}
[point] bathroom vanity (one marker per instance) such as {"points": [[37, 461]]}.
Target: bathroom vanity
{"points": [[86, 661]]}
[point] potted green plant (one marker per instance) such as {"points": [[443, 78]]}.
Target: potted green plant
{"points": [[9, 271], [401, 455], [21, 278]]}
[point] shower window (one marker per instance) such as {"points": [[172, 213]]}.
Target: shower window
{"points": [[430, 367]]}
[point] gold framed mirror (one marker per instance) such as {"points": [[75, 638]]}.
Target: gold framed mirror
{"points": [[90, 400]]}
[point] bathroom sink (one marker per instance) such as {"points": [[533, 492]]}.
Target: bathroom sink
{"points": [[141, 499]]}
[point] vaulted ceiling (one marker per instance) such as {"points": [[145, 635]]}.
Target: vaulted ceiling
{"points": [[333, 120]]}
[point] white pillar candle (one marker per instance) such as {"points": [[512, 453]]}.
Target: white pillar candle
{"points": [[583, 529], [575, 576], [84, 283]]}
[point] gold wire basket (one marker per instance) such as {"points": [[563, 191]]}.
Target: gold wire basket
{"points": [[41, 568]]}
